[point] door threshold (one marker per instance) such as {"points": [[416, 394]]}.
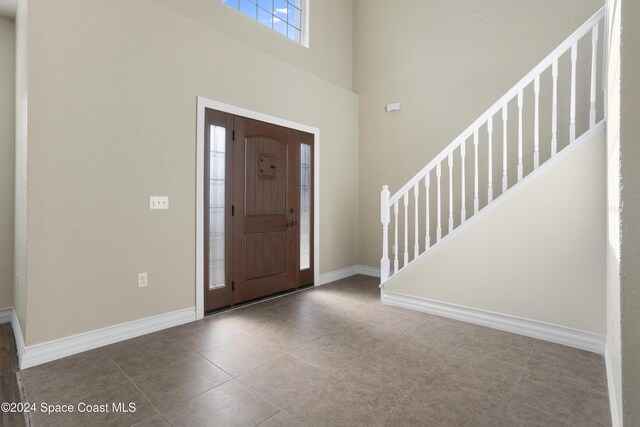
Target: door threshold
{"points": [[257, 300]]}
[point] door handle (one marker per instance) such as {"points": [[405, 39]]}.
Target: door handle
{"points": [[292, 222]]}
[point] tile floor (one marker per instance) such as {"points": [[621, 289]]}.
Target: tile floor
{"points": [[328, 356]]}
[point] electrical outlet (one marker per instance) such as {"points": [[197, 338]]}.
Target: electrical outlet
{"points": [[158, 202], [142, 280]]}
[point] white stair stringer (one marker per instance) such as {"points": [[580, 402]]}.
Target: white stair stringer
{"points": [[535, 253]]}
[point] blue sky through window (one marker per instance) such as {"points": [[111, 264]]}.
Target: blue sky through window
{"points": [[283, 16]]}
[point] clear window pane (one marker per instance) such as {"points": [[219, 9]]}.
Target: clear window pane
{"points": [[293, 34], [217, 157], [280, 9], [294, 16], [249, 8], [266, 4], [265, 18], [280, 26], [305, 206]]}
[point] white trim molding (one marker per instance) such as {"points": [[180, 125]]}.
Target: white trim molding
{"points": [[616, 416], [8, 315], [367, 270], [517, 325], [332, 276], [67, 346], [203, 103], [343, 273]]}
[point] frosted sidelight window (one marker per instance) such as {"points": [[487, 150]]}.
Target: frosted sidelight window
{"points": [[217, 153], [305, 206]]}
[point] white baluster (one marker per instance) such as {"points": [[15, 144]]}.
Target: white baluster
{"points": [[439, 212], [396, 265], [476, 199], [463, 210], [594, 49], [384, 218], [554, 109], [427, 236], [450, 192], [504, 148], [406, 229], [572, 122], [536, 124], [416, 245], [520, 169], [490, 176]]}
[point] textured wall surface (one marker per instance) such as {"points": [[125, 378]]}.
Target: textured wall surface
{"points": [[119, 125], [548, 267], [330, 51], [7, 157], [630, 210], [446, 63]]}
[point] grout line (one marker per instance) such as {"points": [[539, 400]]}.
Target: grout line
{"points": [[141, 392], [504, 415]]}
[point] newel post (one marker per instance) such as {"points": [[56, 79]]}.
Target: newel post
{"points": [[384, 218]]}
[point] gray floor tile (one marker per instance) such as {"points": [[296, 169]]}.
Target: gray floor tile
{"points": [[154, 421], [442, 401], [559, 362], [172, 383], [340, 403], [285, 380], [242, 355], [228, 405], [566, 401]]}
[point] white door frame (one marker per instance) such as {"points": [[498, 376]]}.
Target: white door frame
{"points": [[238, 111]]}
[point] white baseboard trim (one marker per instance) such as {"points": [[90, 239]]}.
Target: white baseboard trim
{"points": [[616, 420], [67, 346], [8, 315], [343, 273], [332, 276], [367, 271], [17, 335], [531, 328]]}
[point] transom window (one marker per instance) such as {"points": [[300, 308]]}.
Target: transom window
{"points": [[283, 16]]}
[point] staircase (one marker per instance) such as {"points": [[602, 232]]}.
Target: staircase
{"points": [[555, 104]]}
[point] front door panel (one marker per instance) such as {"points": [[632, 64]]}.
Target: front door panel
{"points": [[258, 209], [265, 232]]}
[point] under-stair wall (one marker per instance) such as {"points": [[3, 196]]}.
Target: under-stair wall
{"points": [[537, 253]]}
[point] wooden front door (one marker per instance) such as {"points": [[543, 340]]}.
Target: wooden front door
{"points": [[268, 238]]}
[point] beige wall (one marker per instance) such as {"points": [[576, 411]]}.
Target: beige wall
{"points": [[630, 210], [119, 125], [7, 157], [548, 267], [614, 355], [330, 51], [446, 63], [20, 230]]}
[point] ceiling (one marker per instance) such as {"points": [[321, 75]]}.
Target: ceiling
{"points": [[8, 8]]}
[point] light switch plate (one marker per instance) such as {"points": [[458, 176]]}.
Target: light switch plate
{"points": [[158, 202], [395, 106], [142, 280]]}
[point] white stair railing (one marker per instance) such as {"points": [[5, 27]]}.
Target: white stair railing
{"points": [[486, 120]]}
